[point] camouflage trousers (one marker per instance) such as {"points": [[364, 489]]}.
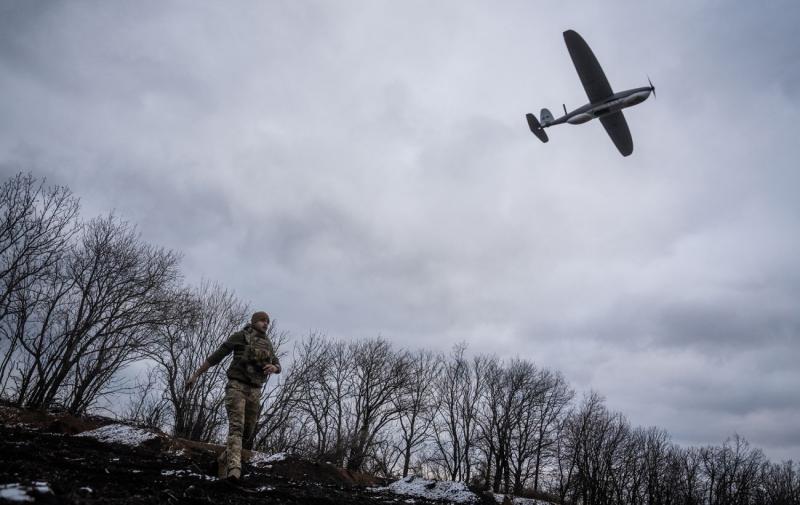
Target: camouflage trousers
{"points": [[242, 402]]}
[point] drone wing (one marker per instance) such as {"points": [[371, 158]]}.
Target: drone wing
{"points": [[589, 70], [617, 129]]}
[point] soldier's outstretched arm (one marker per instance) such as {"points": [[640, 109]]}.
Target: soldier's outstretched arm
{"points": [[224, 349], [200, 371]]}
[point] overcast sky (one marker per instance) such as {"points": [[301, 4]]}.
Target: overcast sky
{"points": [[365, 168]]}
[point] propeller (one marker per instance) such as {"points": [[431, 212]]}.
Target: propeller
{"points": [[652, 88]]}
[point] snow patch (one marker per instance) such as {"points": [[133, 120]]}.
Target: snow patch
{"points": [[518, 501], [20, 493], [23, 426], [120, 434], [262, 460], [418, 487], [186, 473], [14, 492]]}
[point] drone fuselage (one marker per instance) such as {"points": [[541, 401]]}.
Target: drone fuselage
{"points": [[614, 103]]}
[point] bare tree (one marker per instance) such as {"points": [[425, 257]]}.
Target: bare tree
{"points": [[146, 406], [313, 367], [489, 421], [470, 405], [204, 318], [316, 401], [655, 451], [730, 472], [384, 458], [37, 224], [379, 372], [458, 395], [447, 426], [557, 396], [780, 484], [533, 392], [281, 426], [689, 489], [415, 404], [502, 401], [592, 436], [508, 422], [566, 457], [338, 385], [97, 316]]}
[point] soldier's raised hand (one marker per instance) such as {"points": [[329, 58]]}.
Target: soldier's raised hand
{"points": [[191, 382], [200, 371], [270, 369]]}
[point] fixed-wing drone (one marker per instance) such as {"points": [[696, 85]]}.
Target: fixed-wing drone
{"points": [[603, 102]]}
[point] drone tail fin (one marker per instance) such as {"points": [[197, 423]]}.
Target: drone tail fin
{"points": [[536, 128], [546, 117]]}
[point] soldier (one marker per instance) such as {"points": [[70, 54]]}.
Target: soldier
{"points": [[254, 360]]}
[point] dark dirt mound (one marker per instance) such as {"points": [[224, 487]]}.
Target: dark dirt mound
{"points": [[296, 469], [83, 470], [54, 422], [291, 468], [53, 467]]}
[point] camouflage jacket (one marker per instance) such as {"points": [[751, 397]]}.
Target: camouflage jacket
{"points": [[252, 350]]}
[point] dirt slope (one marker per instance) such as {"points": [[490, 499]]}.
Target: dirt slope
{"points": [[41, 463]]}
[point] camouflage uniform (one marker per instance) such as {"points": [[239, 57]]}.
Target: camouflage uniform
{"points": [[252, 350]]}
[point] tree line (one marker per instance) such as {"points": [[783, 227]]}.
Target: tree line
{"points": [[83, 301]]}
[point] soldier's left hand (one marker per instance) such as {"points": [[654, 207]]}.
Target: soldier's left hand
{"points": [[270, 369]]}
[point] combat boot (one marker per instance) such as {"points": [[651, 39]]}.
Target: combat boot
{"points": [[222, 465]]}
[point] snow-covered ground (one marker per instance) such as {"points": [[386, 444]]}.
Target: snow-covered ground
{"points": [[260, 459], [455, 492], [186, 473], [120, 434], [519, 501], [418, 487], [21, 493]]}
